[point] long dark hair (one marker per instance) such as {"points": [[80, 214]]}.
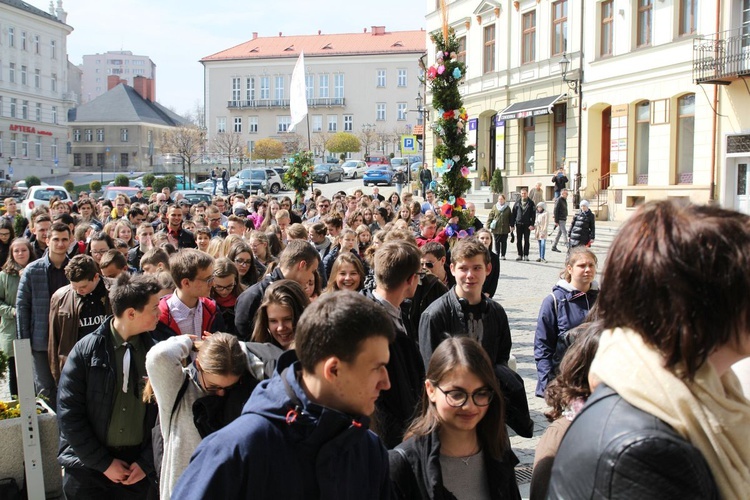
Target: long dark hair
{"points": [[285, 293], [452, 353]]}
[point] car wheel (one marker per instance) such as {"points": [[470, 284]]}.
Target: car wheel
{"points": [[366, 184], [354, 175], [275, 188], [325, 180]]}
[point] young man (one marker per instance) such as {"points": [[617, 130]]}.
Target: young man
{"points": [[155, 261], [236, 225], [105, 427], [189, 310], [396, 279], [113, 263], [425, 178], [429, 203], [144, 235], [86, 211], [40, 230], [522, 219], [297, 262], [303, 433], [76, 309], [560, 216], [216, 221], [39, 281], [180, 238], [428, 231], [120, 210], [136, 216], [559, 180], [11, 212]]}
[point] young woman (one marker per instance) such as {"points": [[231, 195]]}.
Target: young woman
{"points": [[565, 308], [347, 273], [258, 242], [19, 255], [124, 231], [7, 235], [354, 220], [283, 304], [225, 289], [498, 221], [347, 244], [458, 446], [395, 201], [215, 370], [243, 258], [98, 245], [490, 284], [405, 214], [367, 217], [364, 239]]}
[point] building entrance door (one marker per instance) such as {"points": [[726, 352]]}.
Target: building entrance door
{"points": [[742, 186]]}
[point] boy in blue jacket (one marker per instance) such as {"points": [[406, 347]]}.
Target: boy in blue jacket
{"points": [[304, 433]]}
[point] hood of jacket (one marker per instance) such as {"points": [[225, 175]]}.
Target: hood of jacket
{"points": [[569, 292]]}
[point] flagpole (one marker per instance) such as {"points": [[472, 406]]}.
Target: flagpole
{"points": [[309, 143]]}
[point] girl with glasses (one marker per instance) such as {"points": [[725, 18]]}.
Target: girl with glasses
{"points": [[225, 289], [242, 256], [6, 237], [259, 245], [98, 245], [457, 447]]}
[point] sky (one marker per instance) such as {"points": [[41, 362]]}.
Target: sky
{"points": [[177, 34]]}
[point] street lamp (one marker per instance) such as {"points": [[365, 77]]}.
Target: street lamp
{"points": [[573, 83], [10, 166], [422, 111]]}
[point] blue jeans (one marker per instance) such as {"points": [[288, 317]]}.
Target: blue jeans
{"points": [[542, 248]]}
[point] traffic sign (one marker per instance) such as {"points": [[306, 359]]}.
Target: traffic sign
{"points": [[10, 170], [418, 129]]}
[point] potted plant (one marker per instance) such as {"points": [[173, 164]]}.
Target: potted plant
{"points": [[496, 184]]}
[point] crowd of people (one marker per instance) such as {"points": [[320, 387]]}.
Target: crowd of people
{"points": [[350, 347]]}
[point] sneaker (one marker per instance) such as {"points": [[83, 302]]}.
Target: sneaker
{"points": [[554, 249], [544, 261], [526, 258], [519, 258], [538, 260], [502, 258]]}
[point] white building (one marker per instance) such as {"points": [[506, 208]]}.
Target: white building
{"points": [[364, 83], [122, 63], [34, 99]]}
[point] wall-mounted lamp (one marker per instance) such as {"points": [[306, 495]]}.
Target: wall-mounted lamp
{"points": [[573, 83]]}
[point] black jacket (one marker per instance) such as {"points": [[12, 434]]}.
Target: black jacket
{"points": [[582, 229], [248, 304], [185, 238], [560, 214], [614, 450], [134, 257], [490, 284], [523, 217], [416, 473], [429, 290], [559, 181], [84, 404]]}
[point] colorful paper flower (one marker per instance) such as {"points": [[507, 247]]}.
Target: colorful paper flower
{"points": [[464, 172], [448, 115], [456, 73], [432, 73], [441, 69]]}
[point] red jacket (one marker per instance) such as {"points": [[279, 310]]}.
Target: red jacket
{"points": [[212, 320]]}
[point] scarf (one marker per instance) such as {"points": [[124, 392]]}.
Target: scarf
{"points": [[711, 412], [500, 207], [226, 302]]}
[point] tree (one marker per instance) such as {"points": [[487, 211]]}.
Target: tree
{"points": [[292, 142], [122, 180], [496, 184], [69, 186], [160, 183], [95, 186], [269, 149], [32, 181], [229, 146], [368, 137], [343, 142], [148, 180], [186, 143], [319, 142]]}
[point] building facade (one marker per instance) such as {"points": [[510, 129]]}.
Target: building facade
{"points": [[121, 63], [34, 98], [363, 83]]}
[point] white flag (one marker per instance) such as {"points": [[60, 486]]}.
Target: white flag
{"points": [[298, 93]]}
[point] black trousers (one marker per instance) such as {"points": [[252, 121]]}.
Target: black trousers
{"points": [[501, 244], [88, 484], [523, 233]]}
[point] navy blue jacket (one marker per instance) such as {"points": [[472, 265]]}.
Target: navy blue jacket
{"points": [[32, 303], [572, 308], [262, 454]]}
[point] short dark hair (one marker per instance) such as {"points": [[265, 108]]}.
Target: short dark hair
{"points": [[113, 257], [132, 292], [395, 262], [687, 262], [154, 257], [135, 211], [297, 251], [336, 324], [186, 264], [81, 268], [433, 248], [59, 227]]}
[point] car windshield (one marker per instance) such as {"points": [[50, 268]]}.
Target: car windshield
{"points": [[398, 161], [321, 168], [46, 194], [252, 174], [374, 159], [349, 164]]}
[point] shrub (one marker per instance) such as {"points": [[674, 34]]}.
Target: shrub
{"points": [[122, 180], [496, 184], [69, 186], [33, 180], [95, 186], [148, 180]]}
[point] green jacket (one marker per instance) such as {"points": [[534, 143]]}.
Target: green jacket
{"points": [[502, 217], [8, 293]]}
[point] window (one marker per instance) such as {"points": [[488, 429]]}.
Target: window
{"points": [[282, 123], [559, 27], [528, 40], [25, 145], [124, 160], [12, 107], [54, 114], [489, 48], [53, 149], [265, 87], [235, 90], [645, 17], [279, 88], [250, 88], [559, 114], [123, 135], [642, 129], [238, 124], [36, 44], [37, 78], [99, 159], [401, 111], [100, 135], [12, 72], [24, 81], [23, 40], [11, 36], [317, 125], [1, 143], [529, 128], [310, 86], [53, 49], [77, 135], [53, 82], [38, 112], [688, 17], [323, 86], [252, 124], [14, 145], [338, 85], [38, 148], [461, 54], [25, 110], [348, 123], [380, 111], [605, 42], [88, 135], [76, 159], [381, 78], [333, 123], [685, 138], [221, 124], [402, 78]]}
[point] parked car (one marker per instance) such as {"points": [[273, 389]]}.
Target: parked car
{"points": [[327, 172], [111, 192], [379, 175], [38, 196], [399, 163], [208, 185], [132, 183], [20, 186], [354, 168], [251, 180], [377, 160], [193, 195], [281, 171], [414, 167]]}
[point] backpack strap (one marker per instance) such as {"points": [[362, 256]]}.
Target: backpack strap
{"points": [[180, 394]]}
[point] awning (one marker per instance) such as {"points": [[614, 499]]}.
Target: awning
{"points": [[535, 107]]}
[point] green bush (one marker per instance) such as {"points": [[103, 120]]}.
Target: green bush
{"points": [[69, 186], [148, 180], [122, 180], [33, 180], [158, 184], [496, 184], [95, 186], [171, 181]]}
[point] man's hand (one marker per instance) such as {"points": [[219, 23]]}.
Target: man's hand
{"points": [[118, 471], [136, 474]]}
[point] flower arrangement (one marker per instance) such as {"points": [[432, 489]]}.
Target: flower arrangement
{"points": [[11, 409], [299, 174]]}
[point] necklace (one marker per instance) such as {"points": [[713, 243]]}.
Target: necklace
{"points": [[465, 459]]}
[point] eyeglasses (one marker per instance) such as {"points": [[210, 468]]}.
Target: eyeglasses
{"points": [[4, 233], [214, 388], [243, 262], [215, 220], [99, 252], [458, 397], [227, 288], [324, 205], [428, 265]]}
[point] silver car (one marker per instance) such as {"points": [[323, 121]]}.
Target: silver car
{"points": [[354, 168]]}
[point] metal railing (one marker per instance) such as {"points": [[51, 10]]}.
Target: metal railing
{"points": [[721, 57], [326, 102]]}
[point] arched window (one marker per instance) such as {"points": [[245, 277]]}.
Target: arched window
{"points": [[642, 129], [685, 138]]}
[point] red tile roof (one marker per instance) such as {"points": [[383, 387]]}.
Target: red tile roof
{"points": [[325, 45]]}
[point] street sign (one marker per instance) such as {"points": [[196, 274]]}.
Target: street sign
{"points": [[408, 144], [10, 170], [418, 129]]}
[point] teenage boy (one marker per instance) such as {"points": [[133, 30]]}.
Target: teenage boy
{"points": [[76, 309], [144, 236], [189, 310], [40, 229], [155, 261], [298, 262], [39, 281], [304, 433], [105, 427], [113, 263], [433, 262], [176, 235], [88, 215], [396, 280]]}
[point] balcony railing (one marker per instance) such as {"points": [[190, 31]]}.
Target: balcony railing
{"points": [[325, 102], [721, 57]]}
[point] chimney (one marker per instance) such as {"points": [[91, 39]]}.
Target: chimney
{"points": [[113, 81], [141, 85], [255, 35], [378, 30], [365, 30], [152, 89], [319, 32]]}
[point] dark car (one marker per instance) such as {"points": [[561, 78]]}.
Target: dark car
{"points": [[327, 172]]}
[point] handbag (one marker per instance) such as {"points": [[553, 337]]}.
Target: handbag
{"points": [[493, 225], [512, 237]]}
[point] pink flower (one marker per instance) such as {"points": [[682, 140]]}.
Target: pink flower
{"points": [[441, 69], [432, 73], [464, 172]]}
